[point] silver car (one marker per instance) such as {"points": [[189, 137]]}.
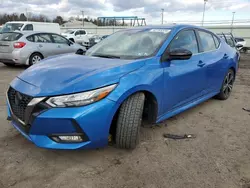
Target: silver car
{"points": [[28, 48]]}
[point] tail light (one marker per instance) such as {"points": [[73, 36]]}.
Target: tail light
{"points": [[19, 44]]}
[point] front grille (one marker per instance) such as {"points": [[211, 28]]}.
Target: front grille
{"points": [[18, 103]]}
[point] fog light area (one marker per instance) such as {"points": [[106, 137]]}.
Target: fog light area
{"points": [[67, 138]]}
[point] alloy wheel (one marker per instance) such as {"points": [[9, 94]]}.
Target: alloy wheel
{"points": [[36, 59], [228, 83]]}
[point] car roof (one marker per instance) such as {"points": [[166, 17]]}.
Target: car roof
{"points": [[169, 26], [27, 33], [28, 22]]}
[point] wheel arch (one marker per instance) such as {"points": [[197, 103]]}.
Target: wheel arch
{"points": [[36, 52], [233, 68], [150, 111]]}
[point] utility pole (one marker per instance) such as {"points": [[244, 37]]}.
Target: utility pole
{"points": [[205, 2], [82, 18], [162, 15], [232, 22], [27, 16]]}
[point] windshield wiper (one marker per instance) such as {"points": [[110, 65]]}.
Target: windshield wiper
{"points": [[107, 56]]}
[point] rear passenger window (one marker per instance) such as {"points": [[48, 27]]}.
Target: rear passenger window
{"points": [[40, 38], [185, 39], [28, 27], [230, 41], [217, 42], [207, 41], [10, 36], [60, 40]]}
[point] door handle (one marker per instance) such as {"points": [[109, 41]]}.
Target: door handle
{"points": [[225, 56], [40, 45], [201, 64], [59, 46]]}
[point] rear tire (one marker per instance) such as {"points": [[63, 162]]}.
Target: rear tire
{"points": [[129, 121], [227, 86], [35, 58]]}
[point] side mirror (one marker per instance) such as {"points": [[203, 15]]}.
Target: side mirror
{"points": [[80, 52], [178, 54], [69, 43], [239, 46]]}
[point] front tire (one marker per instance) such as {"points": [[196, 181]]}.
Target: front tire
{"points": [[227, 86], [129, 121]]}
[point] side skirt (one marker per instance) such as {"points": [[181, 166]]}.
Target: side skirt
{"points": [[185, 107]]}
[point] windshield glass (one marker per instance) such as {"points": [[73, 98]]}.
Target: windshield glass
{"points": [[12, 27], [70, 32], [130, 44]]}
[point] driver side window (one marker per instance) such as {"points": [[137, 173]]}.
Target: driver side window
{"points": [[185, 39]]}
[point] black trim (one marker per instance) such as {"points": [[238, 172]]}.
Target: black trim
{"points": [[198, 40], [37, 110], [79, 132], [24, 128], [31, 112]]}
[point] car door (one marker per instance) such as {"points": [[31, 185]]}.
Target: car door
{"points": [[184, 80], [42, 43], [78, 38], [63, 45], [215, 58]]}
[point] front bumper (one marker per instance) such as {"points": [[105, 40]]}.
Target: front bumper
{"points": [[93, 121]]}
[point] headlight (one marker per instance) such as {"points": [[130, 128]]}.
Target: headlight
{"points": [[80, 99]]}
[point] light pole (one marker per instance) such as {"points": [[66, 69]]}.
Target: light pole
{"points": [[82, 18], [162, 15], [232, 22], [27, 16], [205, 2]]}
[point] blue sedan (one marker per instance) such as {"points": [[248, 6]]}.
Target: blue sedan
{"points": [[141, 74]]}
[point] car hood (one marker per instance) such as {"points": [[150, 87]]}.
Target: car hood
{"points": [[73, 73]]}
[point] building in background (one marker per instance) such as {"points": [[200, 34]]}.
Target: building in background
{"points": [[78, 24]]}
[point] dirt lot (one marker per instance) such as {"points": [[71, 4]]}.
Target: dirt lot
{"points": [[218, 158]]}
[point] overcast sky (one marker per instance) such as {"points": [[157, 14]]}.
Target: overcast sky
{"points": [[175, 10]]}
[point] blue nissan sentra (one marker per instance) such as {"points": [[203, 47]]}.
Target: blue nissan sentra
{"points": [[141, 74]]}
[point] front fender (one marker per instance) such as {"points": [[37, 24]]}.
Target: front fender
{"points": [[148, 78]]}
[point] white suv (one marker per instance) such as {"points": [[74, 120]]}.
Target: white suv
{"points": [[78, 36]]}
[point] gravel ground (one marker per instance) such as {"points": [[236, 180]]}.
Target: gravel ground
{"points": [[219, 157]]}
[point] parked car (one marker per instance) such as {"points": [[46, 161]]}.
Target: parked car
{"points": [[139, 74], [31, 26], [95, 39], [30, 47], [79, 36], [243, 43]]}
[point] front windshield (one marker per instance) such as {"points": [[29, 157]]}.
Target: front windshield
{"points": [[130, 44], [70, 32], [12, 27]]}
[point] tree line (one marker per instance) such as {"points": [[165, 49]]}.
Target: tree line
{"points": [[59, 19]]}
